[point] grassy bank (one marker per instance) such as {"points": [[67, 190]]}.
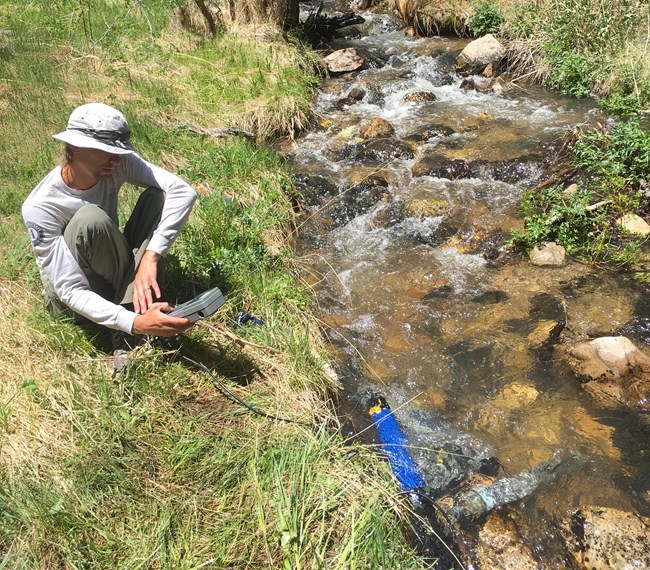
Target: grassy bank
{"points": [[159, 469]]}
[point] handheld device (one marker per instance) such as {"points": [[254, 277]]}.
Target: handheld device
{"points": [[201, 306]]}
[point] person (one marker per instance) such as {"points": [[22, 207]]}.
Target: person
{"points": [[92, 271]]}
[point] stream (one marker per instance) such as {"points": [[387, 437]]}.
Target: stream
{"points": [[403, 238]]}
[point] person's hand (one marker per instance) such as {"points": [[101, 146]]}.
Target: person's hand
{"points": [[145, 286], [155, 321]]}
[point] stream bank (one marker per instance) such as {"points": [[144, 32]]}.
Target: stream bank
{"points": [[412, 181]]}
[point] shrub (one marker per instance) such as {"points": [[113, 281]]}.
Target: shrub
{"points": [[486, 19]]}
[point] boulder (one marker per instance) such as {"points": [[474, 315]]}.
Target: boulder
{"points": [[602, 538], [634, 224], [606, 358], [376, 128], [344, 60], [548, 254], [480, 53], [613, 371]]}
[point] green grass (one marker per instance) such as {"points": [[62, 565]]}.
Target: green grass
{"points": [[159, 470]]}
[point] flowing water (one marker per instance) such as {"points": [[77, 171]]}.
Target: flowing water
{"points": [[404, 240]]}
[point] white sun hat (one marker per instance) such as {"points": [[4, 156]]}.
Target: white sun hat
{"points": [[99, 126]]}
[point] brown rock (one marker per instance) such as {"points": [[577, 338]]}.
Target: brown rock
{"points": [[344, 60], [605, 539], [427, 208], [607, 358], [376, 128], [419, 97], [500, 546]]}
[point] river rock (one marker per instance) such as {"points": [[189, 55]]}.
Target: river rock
{"points": [[359, 5], [345, 102], [604, 539], [437, 164], [613, 371], [381, 150], [548, 254], [634, 224], [501, 546], [480, 53], [419, 97], [344, 60], [606, 358], [427, 132], [314, 189], [391, 214], [357, 93], [378, 127], [427, 208]]}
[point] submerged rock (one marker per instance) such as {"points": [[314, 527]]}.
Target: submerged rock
{"points": [[604, 539], [501, 546], [427, 208], [391, 214], [382, 149]]}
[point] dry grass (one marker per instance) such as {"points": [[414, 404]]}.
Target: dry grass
{"points": [[34, 399]]}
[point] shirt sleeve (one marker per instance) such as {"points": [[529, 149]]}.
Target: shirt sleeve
{"points": [[179, 199], [56, 262]]}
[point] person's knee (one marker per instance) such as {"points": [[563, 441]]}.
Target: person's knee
{"points": [[87, 220]]}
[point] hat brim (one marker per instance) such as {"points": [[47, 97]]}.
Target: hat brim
{"points": [[84, 141]]}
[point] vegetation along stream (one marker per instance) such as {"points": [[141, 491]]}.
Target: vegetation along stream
{"points": [[412, 182]]}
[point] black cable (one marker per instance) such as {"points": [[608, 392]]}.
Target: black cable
{"points": [[229, 393]]}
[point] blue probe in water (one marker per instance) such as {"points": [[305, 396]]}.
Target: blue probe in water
{"points": [[394, 444]]}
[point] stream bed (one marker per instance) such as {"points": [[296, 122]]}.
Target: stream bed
{"points": [[403, 238]]}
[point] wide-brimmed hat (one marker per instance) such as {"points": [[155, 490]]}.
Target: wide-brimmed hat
{"points": [[99, 126]]}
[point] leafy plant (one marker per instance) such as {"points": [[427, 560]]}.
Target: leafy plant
{"points": [[585, 221], [486, 18]]}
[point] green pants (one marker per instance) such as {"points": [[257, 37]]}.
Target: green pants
{"points": [[108, 258]]}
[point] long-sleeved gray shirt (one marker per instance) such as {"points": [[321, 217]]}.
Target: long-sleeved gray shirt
{"points": [[50, 207]]}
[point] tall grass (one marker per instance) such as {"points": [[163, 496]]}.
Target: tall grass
{"points": [[159, 470], [589, 47]]}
